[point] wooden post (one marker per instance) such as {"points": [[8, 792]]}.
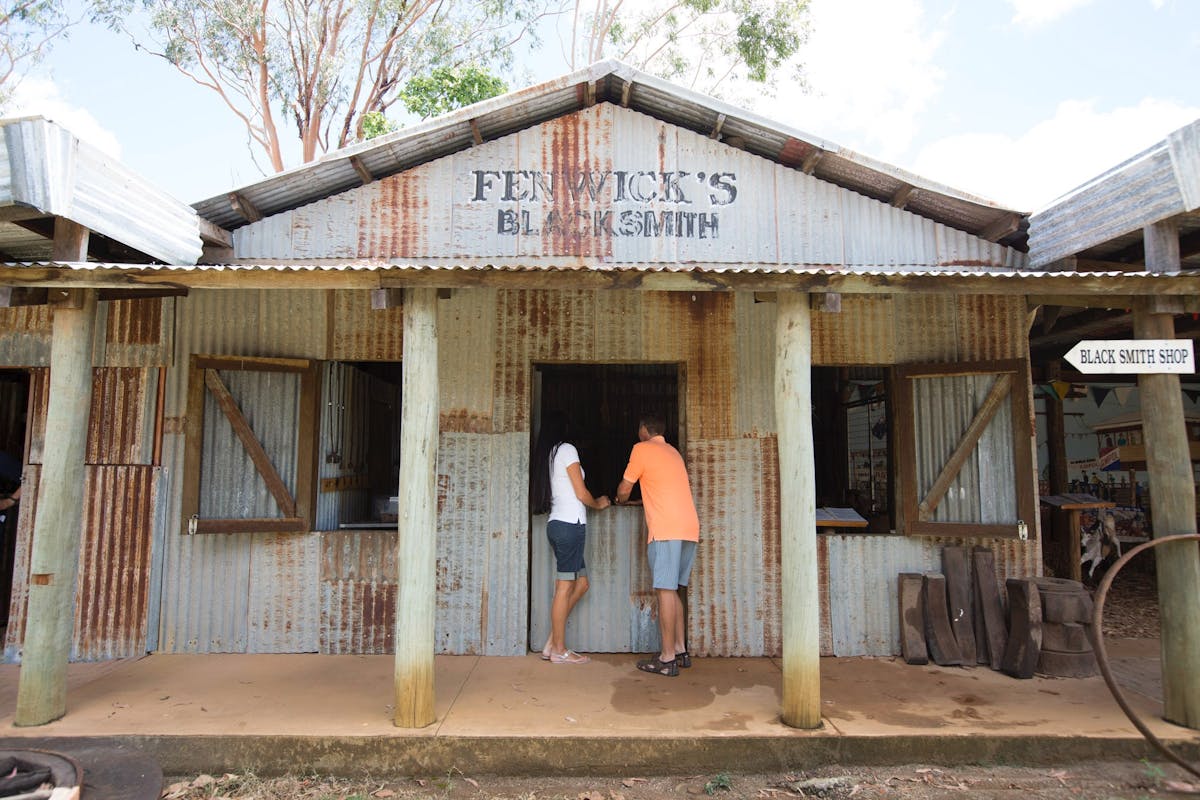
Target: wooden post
{"points": [[797, 513], [54, 561], [416, 545], [1173, 500], [1056, 443]]}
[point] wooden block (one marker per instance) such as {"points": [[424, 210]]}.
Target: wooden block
{"points": [[957, 570], [1067, 665], [982, 656], [939, 636], [1063, 607], [991, 605], [1024, 628], [1060, 585], [1066, 637], [912, 619]]}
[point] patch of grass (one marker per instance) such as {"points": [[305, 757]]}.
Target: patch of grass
{"points": [[720, 782]]}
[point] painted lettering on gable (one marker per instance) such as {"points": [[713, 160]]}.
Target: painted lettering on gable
{"points": [[633, 203]]}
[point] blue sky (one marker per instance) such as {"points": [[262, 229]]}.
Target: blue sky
{"points": [[1017, 101]]}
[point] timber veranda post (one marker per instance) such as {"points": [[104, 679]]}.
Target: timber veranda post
{"points": [[54, 559], [1172, 497], [417, 536], [797, 512]]}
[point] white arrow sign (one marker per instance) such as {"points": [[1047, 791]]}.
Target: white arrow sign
{"points": [[1126, 356]]}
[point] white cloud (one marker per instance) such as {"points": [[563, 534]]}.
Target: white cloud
{"points": [[871, 74], [36, 96], [1035, 13], [1054, 156]]}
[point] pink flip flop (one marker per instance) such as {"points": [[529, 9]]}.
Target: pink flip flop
{"points": [[569, 657]]}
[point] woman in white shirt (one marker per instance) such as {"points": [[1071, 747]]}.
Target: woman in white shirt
{"points": [[556, 486]]}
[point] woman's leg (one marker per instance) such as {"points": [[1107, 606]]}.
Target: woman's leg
{"points": [[566, 595]]}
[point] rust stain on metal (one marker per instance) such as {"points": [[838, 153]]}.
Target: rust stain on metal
{"points": [[135, 321], [358, 592], [826, 633], [114, 570], [39, 402], [992, 327], [864, 332], [14, 635], [26, 319], [117, 423], [393, 224], [460, 420], [359, 333], [794, 152], [702, 320], [766, 501]]}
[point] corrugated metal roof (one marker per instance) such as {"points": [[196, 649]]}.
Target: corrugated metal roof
{"points": [[47, 172], [614, 82], [1104, 217]]}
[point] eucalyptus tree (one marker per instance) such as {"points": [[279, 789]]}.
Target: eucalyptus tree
{"points": [[28, 29]]}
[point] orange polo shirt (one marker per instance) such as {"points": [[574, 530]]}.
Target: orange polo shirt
{"points": [[666, 491]]}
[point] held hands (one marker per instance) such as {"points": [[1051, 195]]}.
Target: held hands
{"points": [[602, 502]]}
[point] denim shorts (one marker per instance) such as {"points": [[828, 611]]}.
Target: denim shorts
{"points": [[670, 562], [567, 540]]}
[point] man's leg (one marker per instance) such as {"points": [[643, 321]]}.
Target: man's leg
{"points": [[670, 622]]}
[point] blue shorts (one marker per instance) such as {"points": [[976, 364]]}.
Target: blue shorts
{"points": [[567, 539], [670, 562]]}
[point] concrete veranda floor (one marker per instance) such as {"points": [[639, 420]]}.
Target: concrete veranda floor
{"points": [[292, 713]]}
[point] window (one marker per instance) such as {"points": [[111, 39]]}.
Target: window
{"points": [[250, 440], [965, 449]]}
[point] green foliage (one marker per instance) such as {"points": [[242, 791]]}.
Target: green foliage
{"points": [[374, 123], [720, 782], [28, 29], [448, 88]]}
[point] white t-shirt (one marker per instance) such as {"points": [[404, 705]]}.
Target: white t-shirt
{"points": [[564, 505]]}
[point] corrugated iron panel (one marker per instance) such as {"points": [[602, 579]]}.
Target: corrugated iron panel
{"points": [[284, 587], [926, 328], [14, 634], [114, 565], [943, 408], [754, 340], [25, 336], [467, 360], [361, 333], [613, 184], [618, 334], [6, 173], [358, 592], [121, 423], [39, 403], [482, 547], [734, 600], [277, 322], [992, 327], [683, 326], [863, 332], [863, 570], [138, 332]]}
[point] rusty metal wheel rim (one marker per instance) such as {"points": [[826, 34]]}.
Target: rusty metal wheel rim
{"points": [[1102, 654]]}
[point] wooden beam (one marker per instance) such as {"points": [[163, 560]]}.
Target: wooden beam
{"points": [[383, 299], [416, 550], [720, 123], [589, 94], [70, 241], [364, 174], [50, 614], [243, 206], [215, 234], [801, 609], [262, 462], [1172, 500], [1120, 301], [626, 89], [809, 164], [476, 135], [1056, 437], [902, 195], [1000, 227], [983, 417]]}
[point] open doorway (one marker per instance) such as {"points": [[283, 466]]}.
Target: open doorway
{"points": [[14, 402], [603, 403]]}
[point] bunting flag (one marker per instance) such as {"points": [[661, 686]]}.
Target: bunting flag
{"points": [[1061, 388], [1099, 393], [1123, 393]]}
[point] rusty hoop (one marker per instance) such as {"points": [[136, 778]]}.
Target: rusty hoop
{"points": [[1102, 654]]}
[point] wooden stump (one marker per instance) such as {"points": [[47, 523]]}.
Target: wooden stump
{"points": [[1024, 630], [957, 569], [912, 619], [991, 605], [939, 636]]}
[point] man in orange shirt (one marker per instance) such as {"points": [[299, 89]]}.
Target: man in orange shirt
{"points": [[674, 529]]}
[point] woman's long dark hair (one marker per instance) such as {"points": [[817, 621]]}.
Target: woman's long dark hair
{"points": [[552, 434]]}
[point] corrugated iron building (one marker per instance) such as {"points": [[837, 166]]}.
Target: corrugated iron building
{"points": [[622, 226]]}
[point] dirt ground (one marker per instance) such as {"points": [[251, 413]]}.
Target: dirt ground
{"points": [[1131, 607], [1093, 781]]}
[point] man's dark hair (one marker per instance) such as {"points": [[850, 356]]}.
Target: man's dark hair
{"points": [[654, 424]]}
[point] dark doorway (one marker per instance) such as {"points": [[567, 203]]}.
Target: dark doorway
{"points": [[14, 403], [603, 403]]}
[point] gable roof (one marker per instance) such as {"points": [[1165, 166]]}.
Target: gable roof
{"points": [[620, 84]]}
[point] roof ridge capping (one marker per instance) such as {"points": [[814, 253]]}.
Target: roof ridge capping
{"points": [[359, 163]]}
